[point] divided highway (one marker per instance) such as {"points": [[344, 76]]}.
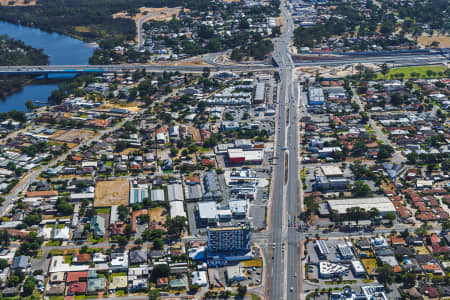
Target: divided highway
{"points": [[285, 251]]}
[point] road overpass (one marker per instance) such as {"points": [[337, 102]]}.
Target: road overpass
{"points": [[398, 60]]}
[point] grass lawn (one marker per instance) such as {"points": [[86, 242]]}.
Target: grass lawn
{"points": [[93, 240], [109, 163], [49, 225], [252, 263], [103, 210], [370, 264], [68, 259], [53, 243], [61, 226], [421, 250], [56, 297], [118, 274], [40, 253], [422, 70], [120, 293]]}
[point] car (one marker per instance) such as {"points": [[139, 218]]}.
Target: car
{"points": [[295, 274], [292, 289]]}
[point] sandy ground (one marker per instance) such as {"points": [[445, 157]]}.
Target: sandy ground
{"points": [[114, 192], [425, 40], [17, 3], [161, 14], [133, 107], [340, 71], [158, 214], [71, 135]]}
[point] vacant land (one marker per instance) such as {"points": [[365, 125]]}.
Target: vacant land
{"points": [[155, 14], [132, 106], [158, 215], [72, 136], [426, 40], [114, 192], [408, 72], [370, 264]]}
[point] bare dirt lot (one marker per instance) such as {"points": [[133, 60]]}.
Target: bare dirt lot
{"points": [[426, 40], [155, 14], [158, 214], [114, 192], [72, 136], [17, 2], [132, 106]]}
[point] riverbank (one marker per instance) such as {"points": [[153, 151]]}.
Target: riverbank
{"points": [[15, 91], [88, 20]]}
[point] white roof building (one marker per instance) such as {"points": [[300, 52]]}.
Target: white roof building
{"points": [[177, 209], [199, 278], [383, 204]]}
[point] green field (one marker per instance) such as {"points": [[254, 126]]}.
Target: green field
{"points": [[415, 72]]}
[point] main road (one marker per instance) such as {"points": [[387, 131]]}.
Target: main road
{"points": [[284, 208]]}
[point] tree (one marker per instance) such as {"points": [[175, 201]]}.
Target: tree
{"points": [[161, 270], [154, 294], [176, 225], [356, 213], [391, 216], [359, 149], [384, 69], [409, 280], [242, 290], [173, 151], [123, 212], [30, 105], [28, 286], [3, 264], [385, 274], [193, 288], [206, 72], [158, 244], [384, 151], [361, 189]]}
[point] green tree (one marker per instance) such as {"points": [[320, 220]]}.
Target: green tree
{"points": [[385, 274], [175, 226], [242, 290], [409, 280], [361, 189], [391, 216], [28, 286], [158, 244], [359, 148], [160, 270], [30, 105], [3, 264], [384, 151], [154, 294]]}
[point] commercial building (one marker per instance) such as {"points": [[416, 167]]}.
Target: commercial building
{"points": [[315, 96], [322, 249], [345, 251], [358, 268], [229, 238], [331, 171], [331, 270], [239, 156], [157, 195], [330, 184], [235, 273], [259, 93], [383, 204]]}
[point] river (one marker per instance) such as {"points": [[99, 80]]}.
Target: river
{"points": [[61, 49]]}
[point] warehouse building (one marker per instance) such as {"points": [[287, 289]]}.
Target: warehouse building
{"points": [[383, 204], [315, 96]]}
